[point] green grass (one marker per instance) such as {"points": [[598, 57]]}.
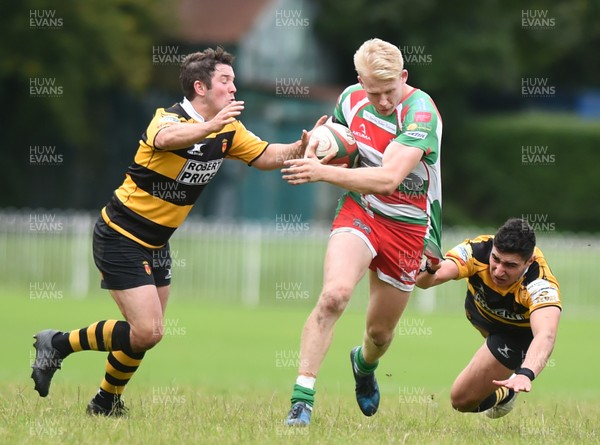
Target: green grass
{"points": [[223, 375]]}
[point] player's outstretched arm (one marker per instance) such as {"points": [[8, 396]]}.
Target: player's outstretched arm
{"points": [[544, 325], [445, 270], [275, 155]]}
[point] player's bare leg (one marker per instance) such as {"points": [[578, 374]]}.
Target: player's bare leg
{"points": [[142, 307], [346, 261], [386, 305], [473, 389]]}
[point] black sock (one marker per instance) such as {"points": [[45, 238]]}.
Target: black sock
{"points": [[105, 335], [106, 399], [498, 397]]}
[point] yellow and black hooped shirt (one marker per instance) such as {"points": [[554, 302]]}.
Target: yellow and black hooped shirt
{"points": [[492, 307], [161, 186]]}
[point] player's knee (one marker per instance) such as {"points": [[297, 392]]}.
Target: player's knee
{"points": [[146, 338], [461, 402], [460, 405], [333, 300], [380, 335]]}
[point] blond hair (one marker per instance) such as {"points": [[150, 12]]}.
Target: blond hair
{"points": [[378, 59]]}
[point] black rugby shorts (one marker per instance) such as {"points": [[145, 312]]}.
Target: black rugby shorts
{"points": [[125, 264]]}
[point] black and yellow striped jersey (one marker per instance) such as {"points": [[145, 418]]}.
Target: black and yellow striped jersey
{"points": [[161, 186], [492, 307]]}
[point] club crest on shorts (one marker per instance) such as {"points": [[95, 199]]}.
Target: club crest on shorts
{"points": [[147, 268]]}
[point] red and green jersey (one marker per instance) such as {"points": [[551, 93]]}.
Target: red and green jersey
{"points": [[416, 122]]}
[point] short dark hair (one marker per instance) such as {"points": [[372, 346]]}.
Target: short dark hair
{"points": [[201, 66], [516, 236]]}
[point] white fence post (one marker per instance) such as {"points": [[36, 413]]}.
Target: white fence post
{"points": [[81, 253], [251, 264]]}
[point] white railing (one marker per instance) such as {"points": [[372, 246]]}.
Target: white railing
{"points": [[47, 254]]}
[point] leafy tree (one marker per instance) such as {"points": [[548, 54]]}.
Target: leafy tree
{"points": [[88, 51]]}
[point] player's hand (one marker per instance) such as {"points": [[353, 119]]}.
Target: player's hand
{"points": [[301, 171], [517, 383], [227, 115], [433, 264], [309, 149]]}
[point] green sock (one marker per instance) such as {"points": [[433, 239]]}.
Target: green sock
{"points": [[362, 366], [302, 394]]}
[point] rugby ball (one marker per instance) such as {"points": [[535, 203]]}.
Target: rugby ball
{"points": [[336, 138]]}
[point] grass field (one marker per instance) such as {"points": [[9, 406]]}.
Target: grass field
{"points": [[223, 375]]}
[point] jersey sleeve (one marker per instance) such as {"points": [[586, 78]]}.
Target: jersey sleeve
{"points": [[420, 127], [543, 291], [160, 120], [338, 113], [344, 104], [246, 146], [462, 256]]}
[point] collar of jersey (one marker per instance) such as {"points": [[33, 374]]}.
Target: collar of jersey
{"points": [[189, 109]]}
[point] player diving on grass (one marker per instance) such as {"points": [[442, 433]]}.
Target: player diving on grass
{"points": [[513, 300], [389, 217], [179, 154]]}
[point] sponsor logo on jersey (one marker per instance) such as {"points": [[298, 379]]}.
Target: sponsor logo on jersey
{"points": [[416, 134], [419, 126], [422, 116], [542, 291], [169, 118], [479, 297], [196, 150], [381, 123], [198, 172], [361, 133], [462, 252]]}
